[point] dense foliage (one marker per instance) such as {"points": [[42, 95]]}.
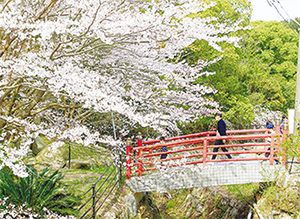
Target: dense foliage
{"points": [[38, 191], [255, 81], [262, 72]]}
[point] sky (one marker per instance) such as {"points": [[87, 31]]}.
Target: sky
{"points": [[263, 11]]}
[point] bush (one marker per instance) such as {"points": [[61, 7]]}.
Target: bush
{"points": [[38, 191]]}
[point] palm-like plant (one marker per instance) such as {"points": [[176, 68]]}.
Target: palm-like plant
{"points": [[38, 190]]}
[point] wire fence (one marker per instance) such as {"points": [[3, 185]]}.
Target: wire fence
{"points": [[102, 188]]}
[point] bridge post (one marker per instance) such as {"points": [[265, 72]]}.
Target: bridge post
{"points": [[150, 158], [266, 141], [140, 144], [205, 143], [278, 133], [128, 158], [272, 151], [285, 133], [277, 126]]}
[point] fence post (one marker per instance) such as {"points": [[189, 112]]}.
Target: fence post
{"points": [[140, 144], [69, 155], [120, 169], [204, 152], [128, 159], [94, 202], [285, 133]]}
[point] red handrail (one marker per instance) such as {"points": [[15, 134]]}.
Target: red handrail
{"points": [[200, 140], [206, 134], [200, 148]]}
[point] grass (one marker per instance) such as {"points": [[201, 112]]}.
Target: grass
{"points": [[243, 192], [169, 203], [81, 180], [77, 151], [78, 181]]}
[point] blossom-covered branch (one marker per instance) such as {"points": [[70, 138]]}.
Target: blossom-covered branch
{"points": [[107, 55]]}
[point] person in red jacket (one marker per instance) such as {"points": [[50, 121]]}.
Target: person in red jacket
{"points": [[221, 131]]}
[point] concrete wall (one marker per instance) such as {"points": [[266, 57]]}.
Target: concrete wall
{"points": [[199, 176]]}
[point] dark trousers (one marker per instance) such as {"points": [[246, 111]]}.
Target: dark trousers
{"points": [[268, 154], [220, 142], [164, 149]]}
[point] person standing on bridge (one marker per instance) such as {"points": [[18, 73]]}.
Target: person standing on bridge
{"points": [[221, 131], [163, 148], [269, 124]]}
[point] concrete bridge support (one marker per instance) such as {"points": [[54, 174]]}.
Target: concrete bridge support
{"points": [[132, 202]]}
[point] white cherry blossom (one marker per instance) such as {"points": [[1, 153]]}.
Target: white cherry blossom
{"points": [[108, 55]]}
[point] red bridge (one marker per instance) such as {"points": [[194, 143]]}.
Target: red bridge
{"points": [[195, 149]]}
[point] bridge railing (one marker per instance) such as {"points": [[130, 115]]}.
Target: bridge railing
{"points": [[194, 149]]}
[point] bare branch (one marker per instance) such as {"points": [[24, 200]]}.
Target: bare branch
{"points": [[5, 5], [51, 4]]}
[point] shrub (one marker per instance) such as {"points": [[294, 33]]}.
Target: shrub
{"points": [[38, 191]]}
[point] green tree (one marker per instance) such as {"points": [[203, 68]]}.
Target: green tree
{"points": [[231, 92], [295, 24], [261, 72], [230, 12], [269, 54]]}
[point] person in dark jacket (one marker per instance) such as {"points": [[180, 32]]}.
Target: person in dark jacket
{"points": [[269, 124], [164, 148], [221, 131], [282, 121]]}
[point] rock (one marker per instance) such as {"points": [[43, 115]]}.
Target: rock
{"points": [[188, 214], [103, 157], [110, 215], [199, 208], [30, 161], [288, 180], [80, 164], [28, 157], [41, 167], [38, 145], [48, 158], [234, 212], [30, 153], [131, 204], [280, 200], [52, 159], [285, 216]]}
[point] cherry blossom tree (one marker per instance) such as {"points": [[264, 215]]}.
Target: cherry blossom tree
{"points": [[63, 60], [262, 115]]}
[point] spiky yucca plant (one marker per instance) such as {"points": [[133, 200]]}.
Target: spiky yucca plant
{"points": [[38, 190]]}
